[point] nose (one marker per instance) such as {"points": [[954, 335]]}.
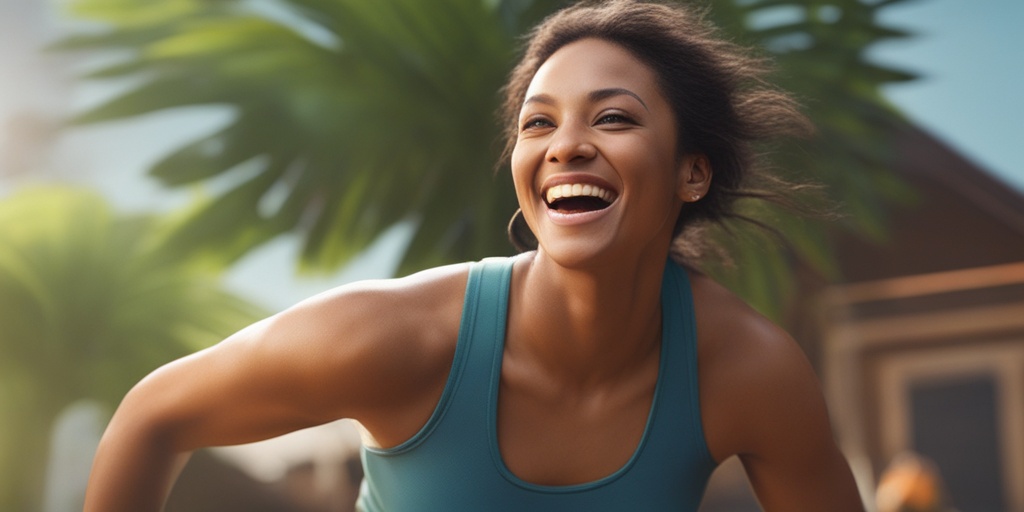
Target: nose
{"points": [[570, 144]]}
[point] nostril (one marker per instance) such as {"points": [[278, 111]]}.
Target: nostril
{"points": [[569, 146]]}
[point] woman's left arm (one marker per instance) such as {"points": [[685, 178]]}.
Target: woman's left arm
{"points": [[791, 457], [761, 401]]}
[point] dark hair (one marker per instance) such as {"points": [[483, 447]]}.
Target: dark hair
{"points": [[722, 104]]}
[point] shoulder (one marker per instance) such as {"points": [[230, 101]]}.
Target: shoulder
{"points": [[758, 390], [405, 310], [760, 400], [415, 304], [374, 343], [731, 332]]}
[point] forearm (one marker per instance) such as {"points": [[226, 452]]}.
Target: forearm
{"points": [[134, 469], [826, 485]]}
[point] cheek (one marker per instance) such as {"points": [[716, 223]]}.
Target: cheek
{"points": [[656, 175], [515, 159], [520, 164]]}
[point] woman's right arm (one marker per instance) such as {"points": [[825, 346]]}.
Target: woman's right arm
{"points": [[359, 352]]}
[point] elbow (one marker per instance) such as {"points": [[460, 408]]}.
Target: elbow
{"points": [[147, 416]]}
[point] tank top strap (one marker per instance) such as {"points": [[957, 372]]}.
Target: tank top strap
{"points": [[482, 330], [485, 313], [681, 419], [478, 350], [459, 417]]}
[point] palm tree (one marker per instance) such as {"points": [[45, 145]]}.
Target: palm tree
{"points": [[819, 48], [350, 116], [89, 304]]}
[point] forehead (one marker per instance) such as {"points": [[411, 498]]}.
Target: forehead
{"points": [[591, 64]]}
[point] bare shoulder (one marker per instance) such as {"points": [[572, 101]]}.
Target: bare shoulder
{"points": [[380, 341], [756, 383], [415, 310], [761, 400], [731, 332]]}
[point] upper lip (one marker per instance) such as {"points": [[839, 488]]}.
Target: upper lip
{"points": [[577, 179]]}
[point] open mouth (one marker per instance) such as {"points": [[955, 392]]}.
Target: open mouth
{"points": [[578, 198]]}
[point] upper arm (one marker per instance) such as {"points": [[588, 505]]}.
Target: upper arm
{"points": [[761, 400], [357, 352], [789, 453], [376, 352]]}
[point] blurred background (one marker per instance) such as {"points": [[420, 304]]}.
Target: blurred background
{"points": [[171, 170]]}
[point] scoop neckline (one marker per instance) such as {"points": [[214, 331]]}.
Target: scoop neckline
{"points": [[492, 418]]}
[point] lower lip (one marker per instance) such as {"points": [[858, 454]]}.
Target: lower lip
{"points": [[573, 219]]}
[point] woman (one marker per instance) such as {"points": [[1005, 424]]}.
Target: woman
{"points": [[590, 373]]}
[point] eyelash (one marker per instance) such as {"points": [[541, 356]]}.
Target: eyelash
{"points": [[532, 123], [615, 118]]}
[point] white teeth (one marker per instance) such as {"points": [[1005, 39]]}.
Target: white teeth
{"points": [[578, 190]]}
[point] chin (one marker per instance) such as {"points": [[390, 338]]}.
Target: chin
{"points": [[579, 253]]}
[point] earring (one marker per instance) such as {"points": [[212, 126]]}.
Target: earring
{"points": [[696, 197]]}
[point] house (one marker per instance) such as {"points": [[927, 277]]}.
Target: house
{"points": [[922, 343]]}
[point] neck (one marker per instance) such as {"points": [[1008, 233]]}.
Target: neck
{"points": [[587, 326]]}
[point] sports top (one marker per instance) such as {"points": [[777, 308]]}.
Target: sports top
{"points": [[453, 462]]}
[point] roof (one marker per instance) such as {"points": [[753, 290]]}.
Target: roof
{"points": [[963, 217]]}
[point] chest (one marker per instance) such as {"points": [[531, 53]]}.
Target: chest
{"points": [[505, 440], [550, 435]]}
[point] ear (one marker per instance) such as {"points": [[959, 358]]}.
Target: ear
{"points": [[694, 177]]}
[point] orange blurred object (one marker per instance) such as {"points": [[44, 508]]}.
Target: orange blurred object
{"points": [[911, 483]]}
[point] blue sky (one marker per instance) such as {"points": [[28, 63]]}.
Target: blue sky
{"points": [[970, 55]]}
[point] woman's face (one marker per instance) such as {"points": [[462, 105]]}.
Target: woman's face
{"points": [[595, 163]]}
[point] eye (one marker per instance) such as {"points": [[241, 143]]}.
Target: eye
{"points": [[615, 118], [536, 122]]}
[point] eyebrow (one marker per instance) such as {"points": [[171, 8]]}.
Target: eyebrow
{"points": [[593, 96], [601, 94]]}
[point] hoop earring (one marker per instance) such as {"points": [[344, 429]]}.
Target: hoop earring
{"points": [[519, 233]]}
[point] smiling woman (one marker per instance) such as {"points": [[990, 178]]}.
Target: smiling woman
{"points": [[594, 116], [720, 102], [590, 372]]}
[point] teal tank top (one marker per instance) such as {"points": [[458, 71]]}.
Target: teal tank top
{"points": [[453, 463]]}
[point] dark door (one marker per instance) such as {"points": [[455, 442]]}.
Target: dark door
{"points": [[955, 423]]}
